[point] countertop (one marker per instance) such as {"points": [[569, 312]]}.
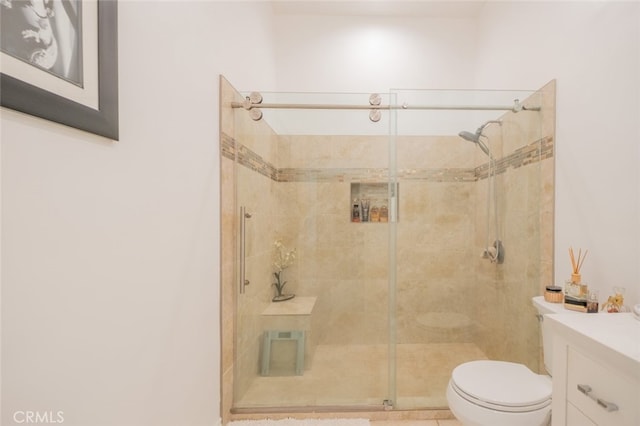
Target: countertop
{"points": [[613, 337]]}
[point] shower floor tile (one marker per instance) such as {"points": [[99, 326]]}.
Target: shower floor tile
{"points": [[352, 375]]}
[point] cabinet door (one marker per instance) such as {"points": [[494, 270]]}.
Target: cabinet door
{"points": [[601, 392], [575, 417]]}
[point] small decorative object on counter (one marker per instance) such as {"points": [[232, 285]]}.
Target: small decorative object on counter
{"points": [[574, 286], [575, 291], [575, 304], [592, 303], [615, 303], [553, 294]]}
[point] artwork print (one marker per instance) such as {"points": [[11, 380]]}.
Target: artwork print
{"points": [[46, 34]]}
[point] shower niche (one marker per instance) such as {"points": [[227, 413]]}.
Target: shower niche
{"points": [[374, 202]]}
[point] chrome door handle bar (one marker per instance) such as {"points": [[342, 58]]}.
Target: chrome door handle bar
{"points": [[243, 216]]}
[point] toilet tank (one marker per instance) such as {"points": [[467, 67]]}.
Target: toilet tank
{"points": [[543, 308]]}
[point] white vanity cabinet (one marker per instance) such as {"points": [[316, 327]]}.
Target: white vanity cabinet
{"points": [[596, 369]]}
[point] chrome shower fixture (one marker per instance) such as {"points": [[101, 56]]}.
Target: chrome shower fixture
{"points": [[481, 128], [250, 104], [468, 136], [254, 103], [375, 100], [475, 137], [495, 252], [517, 106]]}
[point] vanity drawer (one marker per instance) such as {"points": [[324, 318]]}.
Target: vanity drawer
{"points": [[575, 417], [601, 393]]}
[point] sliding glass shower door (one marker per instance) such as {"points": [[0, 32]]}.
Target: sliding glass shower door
{"points": [[407, 232], [313, 186]]}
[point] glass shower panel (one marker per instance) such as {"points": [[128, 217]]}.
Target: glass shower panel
{"points": [[452, 238], [454, 302], [299, 172]]}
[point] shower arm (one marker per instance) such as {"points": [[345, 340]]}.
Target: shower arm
{"points": [[481, 128]]}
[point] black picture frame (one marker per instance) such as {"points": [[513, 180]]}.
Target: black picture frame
{"points": [[20, 96]]}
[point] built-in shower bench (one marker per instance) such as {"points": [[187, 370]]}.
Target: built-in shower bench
{"points": [[289, 321]]}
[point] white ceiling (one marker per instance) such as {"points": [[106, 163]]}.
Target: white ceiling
{"points": [[423, 8]]}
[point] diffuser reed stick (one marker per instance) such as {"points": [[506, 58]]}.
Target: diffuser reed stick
{"points": [[576, 264]]}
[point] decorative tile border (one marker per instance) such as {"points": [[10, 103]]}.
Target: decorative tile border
{"points": [[532, 153], [529, 154], [333, 175], [227, 146], [438, 175], [230, 148]]}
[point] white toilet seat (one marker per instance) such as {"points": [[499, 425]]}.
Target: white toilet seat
{"points": [[499, 407], [501, 386]]}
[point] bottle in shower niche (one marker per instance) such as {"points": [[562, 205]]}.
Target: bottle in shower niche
{"points": [[355, 211], [365, 210], [374, 216], [384, 214]]}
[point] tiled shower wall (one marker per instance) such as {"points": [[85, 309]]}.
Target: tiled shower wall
{"points": [[299, 189], [506, 327]]}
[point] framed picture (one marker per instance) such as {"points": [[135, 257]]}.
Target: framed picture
{"points": [[59, 61]]}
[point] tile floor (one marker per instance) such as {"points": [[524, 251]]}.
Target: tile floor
{"points": [[415, 423], [353, 375]]}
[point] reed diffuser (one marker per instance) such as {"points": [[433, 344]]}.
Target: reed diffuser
{"points": [[575, 293], [576, 277]]}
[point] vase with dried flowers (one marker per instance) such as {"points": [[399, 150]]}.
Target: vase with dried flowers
{"points": [[283, 259]]}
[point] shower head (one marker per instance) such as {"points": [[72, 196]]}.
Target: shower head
{"points": [[468, 136], [475, 137]]}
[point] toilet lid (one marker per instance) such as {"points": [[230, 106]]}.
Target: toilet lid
{"points": [[501, 383]]}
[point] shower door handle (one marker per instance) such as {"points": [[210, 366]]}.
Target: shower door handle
{"points": [[243, 217]]}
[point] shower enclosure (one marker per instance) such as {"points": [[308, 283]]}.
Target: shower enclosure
{"points": [[413, 250]]}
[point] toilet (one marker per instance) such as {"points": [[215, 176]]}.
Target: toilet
{"points": [[500, 393]]}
